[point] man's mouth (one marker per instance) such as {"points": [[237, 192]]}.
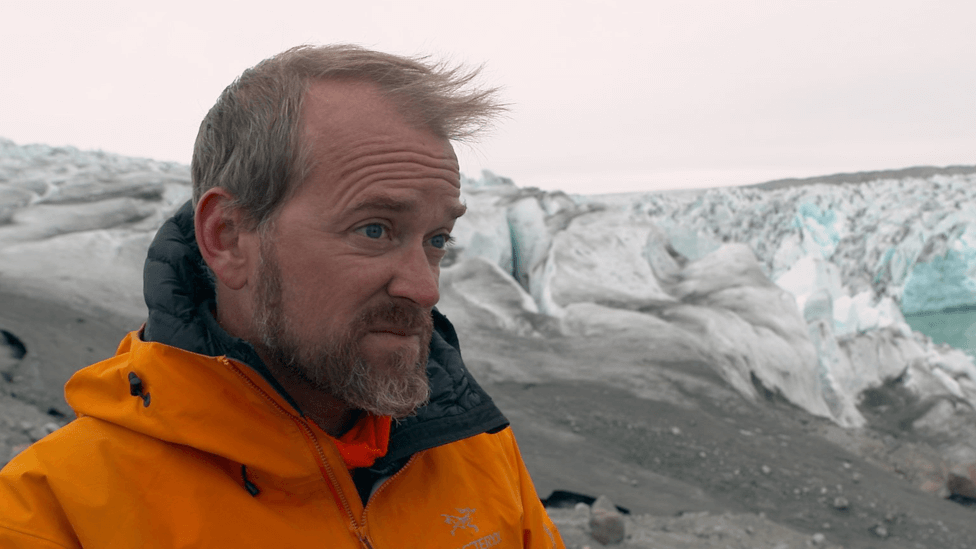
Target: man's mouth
{"points": [[402, 332]]}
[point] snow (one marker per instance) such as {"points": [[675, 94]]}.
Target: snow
{"points": [[798, 291], [90, 270], [849, 258], [484, 232], [598, 258], [481, 289]]}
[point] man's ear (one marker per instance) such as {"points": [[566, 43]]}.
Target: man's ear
{"points": [[224, 245]]}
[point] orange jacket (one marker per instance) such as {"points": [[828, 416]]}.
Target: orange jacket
{"points": [[218, 458]]}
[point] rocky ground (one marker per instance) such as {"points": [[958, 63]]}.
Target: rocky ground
{"points": [[643, 414], [694, 463], [699, 466]]}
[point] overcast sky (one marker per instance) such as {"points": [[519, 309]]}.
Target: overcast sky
{"points": [[607, 96]]}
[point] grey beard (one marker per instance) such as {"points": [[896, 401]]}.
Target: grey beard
{"points": [[337, 365]]}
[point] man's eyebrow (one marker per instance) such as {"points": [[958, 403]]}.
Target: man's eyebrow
{"points": [[398, 206], [382, 203]]}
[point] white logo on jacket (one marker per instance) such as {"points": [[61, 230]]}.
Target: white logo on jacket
{"points": [[462, 521]]}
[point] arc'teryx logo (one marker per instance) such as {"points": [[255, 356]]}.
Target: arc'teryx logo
{"points": [[462, 521]]}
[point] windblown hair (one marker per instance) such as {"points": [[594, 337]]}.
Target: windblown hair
{"points": [[250, 142]]}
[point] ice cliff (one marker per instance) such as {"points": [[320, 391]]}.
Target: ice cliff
{"points": [[797, 291], [75, 225]]}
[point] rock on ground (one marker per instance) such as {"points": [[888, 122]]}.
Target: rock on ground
{"points": [[689, 531]]}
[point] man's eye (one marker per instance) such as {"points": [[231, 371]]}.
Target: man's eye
{"points": [[440, 241], [373, 230]]}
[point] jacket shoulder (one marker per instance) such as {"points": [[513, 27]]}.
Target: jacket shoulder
{"points": [[30, 513], [58, 484], [31, 510]]}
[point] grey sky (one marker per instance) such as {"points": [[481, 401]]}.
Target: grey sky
{"points": [[608, 96]]}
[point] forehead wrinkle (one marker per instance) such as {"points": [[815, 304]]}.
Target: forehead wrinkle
{"points": [[401, 162], [396, 205], [349, 155], [352, 180], [398, 171]]}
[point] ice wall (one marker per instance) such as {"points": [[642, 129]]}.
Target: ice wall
{"points": [[846, 261], [75, 225], [798, 291]]}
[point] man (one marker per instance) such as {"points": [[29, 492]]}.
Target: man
{"points": [[294, 385]]}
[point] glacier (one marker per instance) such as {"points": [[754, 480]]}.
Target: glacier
{"points": [[799, 292]]}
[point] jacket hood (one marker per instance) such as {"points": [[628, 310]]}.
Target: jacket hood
{"points": [[195, 373], [202, 403]]}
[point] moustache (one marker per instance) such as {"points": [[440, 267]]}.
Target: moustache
{"points": [[397, 318]]}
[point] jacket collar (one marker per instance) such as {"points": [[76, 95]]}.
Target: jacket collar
{"points": [[179, 292]]}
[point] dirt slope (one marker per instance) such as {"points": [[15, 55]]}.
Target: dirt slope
{"points": [[768, 459], [695, 464]]}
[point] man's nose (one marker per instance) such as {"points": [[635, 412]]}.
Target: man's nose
{"points": [[415, 278]]}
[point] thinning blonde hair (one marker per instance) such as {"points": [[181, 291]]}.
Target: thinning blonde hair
{"points": [[250, 142]]}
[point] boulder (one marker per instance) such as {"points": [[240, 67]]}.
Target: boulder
{"points": [[961, 488], [606, 523]]}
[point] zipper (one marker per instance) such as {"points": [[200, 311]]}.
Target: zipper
{"points": [[307, 431], [363, 538]]}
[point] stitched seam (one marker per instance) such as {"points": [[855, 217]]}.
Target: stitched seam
{"points": [[305, 430], [35, 536]]}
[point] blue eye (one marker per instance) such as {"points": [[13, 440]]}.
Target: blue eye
{"points": [[440, 241], [373, 230]]}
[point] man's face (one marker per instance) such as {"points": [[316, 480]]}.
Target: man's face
{"points": [[349, 271]]}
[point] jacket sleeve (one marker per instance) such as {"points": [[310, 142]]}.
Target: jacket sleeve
{"points": [[30, 514], [538, 531]]}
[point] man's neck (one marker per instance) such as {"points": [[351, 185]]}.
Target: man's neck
{"points": [[332, 415]]}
